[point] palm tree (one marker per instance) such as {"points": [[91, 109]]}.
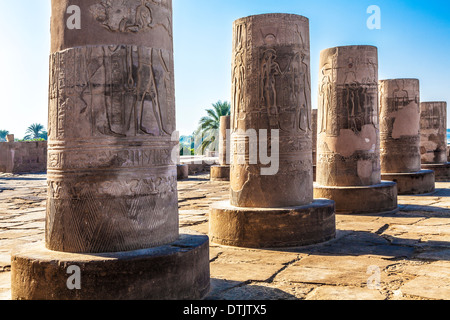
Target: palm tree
{"points": [[35, 131], [209, 126], [3, 134]]}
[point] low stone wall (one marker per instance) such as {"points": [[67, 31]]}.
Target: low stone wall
{"points": [[23, 157]]}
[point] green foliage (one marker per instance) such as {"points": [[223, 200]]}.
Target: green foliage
{"points": [[35, 132], [3, 134], [209, 126]]}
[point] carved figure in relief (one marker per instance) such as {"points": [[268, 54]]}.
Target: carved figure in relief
{"points": [[270, 69], [238, 76], [147, 90], [128, 16], [325, 97], [302, 98], [401, 96]]}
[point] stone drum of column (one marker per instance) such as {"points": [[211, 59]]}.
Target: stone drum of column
{"points": [[271, 180], [271, 92], [348, 141], [221, 172], [112, 203], [400, 125], [433, 139], [433, 126], [224, 149], [400, 137], [348, 145], [111, 179], [314, 140]]}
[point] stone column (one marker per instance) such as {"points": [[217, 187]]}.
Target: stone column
{"points": [[348, 143], [314, 141], [221, 172], [271, 180], [400, 137], [433, 142], [112, 206], [10, 138]]}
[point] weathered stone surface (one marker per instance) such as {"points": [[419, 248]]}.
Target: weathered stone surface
{"points": [[400, 125], [428, 287], [222, 171], [224, 142], [441, 170], [133, 275], [272, 227], [182, 171], [112, 98], [344, 293], [420, 182], [412, 242], [9, 138], [112, 202], [433, 131], [380, 198], [271, 90], [23, 157], [348, 143]]}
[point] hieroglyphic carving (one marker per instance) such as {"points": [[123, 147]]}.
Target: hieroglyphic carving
{"points": [[133, 85], [130, 16]]}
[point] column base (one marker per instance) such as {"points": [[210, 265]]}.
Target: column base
{"points": [[378, 199], [272, 227], [220, 173], [441, 171], [182, 172], [178, 271], [421, 182]]}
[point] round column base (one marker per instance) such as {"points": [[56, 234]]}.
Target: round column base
{"points": [[272, 227], [220, 173], [375, 199], [182, 172], [178, 271], [421, 182], [441, 171]]}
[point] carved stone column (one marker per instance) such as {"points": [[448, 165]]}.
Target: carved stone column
{"points": [[348, 147], [112, 205], [221, 172], [433, 142], [314, 141], [400, 137], [271, 180]]}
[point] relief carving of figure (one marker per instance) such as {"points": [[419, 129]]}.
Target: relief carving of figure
{"points": [[270, 69]]}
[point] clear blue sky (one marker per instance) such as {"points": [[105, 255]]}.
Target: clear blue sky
{"points": [[414, 42]]}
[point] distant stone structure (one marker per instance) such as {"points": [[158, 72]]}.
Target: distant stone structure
{"points": [[400, 137], [23, 157], [221, 172], [9, 138], [433, 143], [112, 209], [348, 143], [272, 203]]}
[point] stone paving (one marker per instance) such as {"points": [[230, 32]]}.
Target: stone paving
{"points": [[402, 256]]}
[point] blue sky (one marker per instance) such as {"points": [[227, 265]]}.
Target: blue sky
{"points": [[414, 42]]}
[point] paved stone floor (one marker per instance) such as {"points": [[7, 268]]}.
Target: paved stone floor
{"points": [[374, 257]]}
